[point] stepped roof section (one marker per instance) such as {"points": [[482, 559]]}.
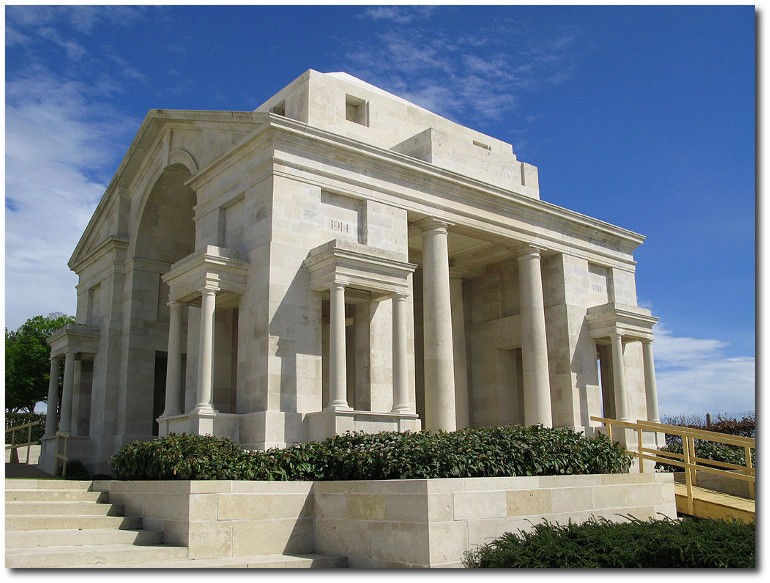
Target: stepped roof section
{"points": [[342, 104]]}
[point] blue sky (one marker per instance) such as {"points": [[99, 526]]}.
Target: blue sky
{"points": [[643, 117]]}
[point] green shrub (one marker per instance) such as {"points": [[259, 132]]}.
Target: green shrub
{"points": [[76, 470], [743, 424], [471, 452], [600, 543], [179, 457]]}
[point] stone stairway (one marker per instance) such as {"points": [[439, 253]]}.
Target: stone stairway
{"points": [[51, 523], [61, 523]]}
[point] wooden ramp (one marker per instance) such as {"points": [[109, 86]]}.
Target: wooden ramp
{"points": [[712, 504]]}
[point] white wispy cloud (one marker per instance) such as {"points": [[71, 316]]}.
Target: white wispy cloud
{"points": [[479, 75], [398, 14], [695, 376], [60, 152]]}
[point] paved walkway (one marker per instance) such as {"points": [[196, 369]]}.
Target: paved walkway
{"points": [[712, 504]]}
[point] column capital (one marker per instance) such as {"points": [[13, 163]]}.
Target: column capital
{"points": [[433, 224], [175, 304], [207, 291], [528, 250], [459, 273], [341, 284]]}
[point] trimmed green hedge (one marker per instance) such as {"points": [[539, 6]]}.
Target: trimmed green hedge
{"points": [[600, 543], [471, 452]]}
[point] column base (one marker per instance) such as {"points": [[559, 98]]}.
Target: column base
{"points": [[204, 410], [345, 407], [213, 423], [328, 423]]}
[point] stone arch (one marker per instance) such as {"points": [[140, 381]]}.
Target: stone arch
{"points": [[163, 234], [166, 229], [183, 157]]}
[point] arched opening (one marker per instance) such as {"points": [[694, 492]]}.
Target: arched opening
{"points": [[166, 234], [166, 231]]}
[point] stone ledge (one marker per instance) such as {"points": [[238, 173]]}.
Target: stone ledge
{"points": [[419, 523]]}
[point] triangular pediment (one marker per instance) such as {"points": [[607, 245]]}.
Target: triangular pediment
{"points": [[166, 137]]}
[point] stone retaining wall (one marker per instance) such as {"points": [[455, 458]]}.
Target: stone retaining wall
{"points": [[388, 523]]}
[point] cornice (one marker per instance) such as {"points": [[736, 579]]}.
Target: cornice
{"points": [[149, 130], [111, 243], [325, 140]]}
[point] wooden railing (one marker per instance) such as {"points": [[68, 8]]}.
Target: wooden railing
{"points": [[14, 446], [687, 459], [61, 456]]}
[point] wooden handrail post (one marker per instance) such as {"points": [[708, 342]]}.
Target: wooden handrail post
{"points": [[688, 475], [692, 457], [29, 442], [749, 465], [640, 445]]}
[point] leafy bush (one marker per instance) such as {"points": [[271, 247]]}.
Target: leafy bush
{"points": [[744, 426], [600, 543], [76, 470], [471, 452], [15, 419]]}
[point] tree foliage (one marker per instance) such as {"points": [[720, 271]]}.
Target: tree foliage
{"points": [[27, 361]]}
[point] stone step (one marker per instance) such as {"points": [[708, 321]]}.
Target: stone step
{"points": [[19, 484], [27, 539], [53, 495], [62, 522], [62, 508], [309, 561], [120, 555]]}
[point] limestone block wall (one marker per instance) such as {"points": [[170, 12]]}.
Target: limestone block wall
{"points": [[222, 518], [387, 523], [349, 107]]}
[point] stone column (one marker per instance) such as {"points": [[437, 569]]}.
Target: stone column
{"points": [[337, 351], [534, 348], [650, 387], [619, 378], [174, 365], [66, 398], [53, 397], [400, 357], [206, 352], [437, 320], [458, 341]]}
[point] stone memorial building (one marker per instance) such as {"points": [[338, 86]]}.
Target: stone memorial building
{"points": [[340, 259]]}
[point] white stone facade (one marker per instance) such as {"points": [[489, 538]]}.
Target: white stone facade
{"points": [[341, 259]]}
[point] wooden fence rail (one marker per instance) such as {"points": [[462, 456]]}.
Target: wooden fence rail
{"points": [[14, 446], [688, 460]]}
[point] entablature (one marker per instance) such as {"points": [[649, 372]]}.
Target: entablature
{"points": [[78, 338], [214, 268], [631, 322], [358, 266]]}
